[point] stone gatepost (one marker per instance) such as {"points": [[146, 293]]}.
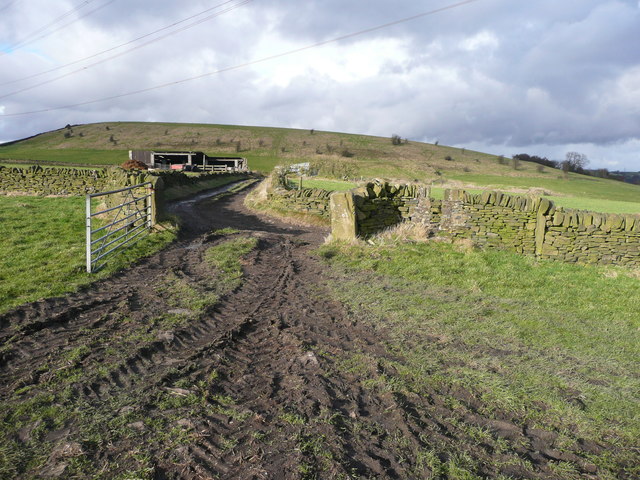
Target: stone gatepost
{"points": [[343, 216]]}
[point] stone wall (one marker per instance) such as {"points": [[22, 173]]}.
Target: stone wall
{"points": [[491, 219], [527, 225], [376, 206], [380, 205], [313, 201], [36, 180], [535, 226], [588, 237]]}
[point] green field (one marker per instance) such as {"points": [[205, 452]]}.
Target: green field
{"points": [[551, 345], [43, 249], [322, 183], [338, 156]]}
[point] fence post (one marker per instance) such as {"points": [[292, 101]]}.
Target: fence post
{"points": [[88, 231]]}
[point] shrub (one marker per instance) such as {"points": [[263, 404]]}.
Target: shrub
{"points": [[346, 153], [396, 139], [448, 158]]}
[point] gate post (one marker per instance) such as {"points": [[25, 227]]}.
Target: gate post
{"points": [[88, 231]]}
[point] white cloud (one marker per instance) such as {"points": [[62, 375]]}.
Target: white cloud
{"points": [[484, 40]]}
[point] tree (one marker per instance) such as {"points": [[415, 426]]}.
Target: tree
{"points": [[575, 162]]}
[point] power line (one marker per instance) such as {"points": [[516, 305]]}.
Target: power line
{"points": [[2, 9], [51, 80], [60, 67], [28, 38], [250, 63], [84, 15]]}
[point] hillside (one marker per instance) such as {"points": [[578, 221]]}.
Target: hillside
{"points": [[339, 155]]}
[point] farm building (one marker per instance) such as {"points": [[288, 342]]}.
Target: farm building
{"points": [[188, 160]]}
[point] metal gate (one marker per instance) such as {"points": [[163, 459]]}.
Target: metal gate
{"points": [[127, 221]]}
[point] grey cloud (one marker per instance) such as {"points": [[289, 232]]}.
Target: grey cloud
{"points": [[542, 73]]}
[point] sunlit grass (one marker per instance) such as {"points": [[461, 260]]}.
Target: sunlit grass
{"points": [[519, 333], [322, 183], [43, 248]]}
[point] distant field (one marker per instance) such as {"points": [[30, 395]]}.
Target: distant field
{"points": [[578, 203], [338, 155], [323, 183], [86, 157]]}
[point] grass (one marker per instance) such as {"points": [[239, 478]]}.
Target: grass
{"points": [[226, 258], [575, 185], [596, 205], [323, 184], [555, 345], [53, 402], [44, 257], [69, 155], [374, 157]]}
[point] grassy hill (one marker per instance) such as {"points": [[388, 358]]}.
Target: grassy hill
{"points": [[339, 155]]}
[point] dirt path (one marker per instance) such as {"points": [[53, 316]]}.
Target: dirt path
{"points": [[127, 379]]}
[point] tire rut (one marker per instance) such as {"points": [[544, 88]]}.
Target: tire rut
{"points": [[271, 380]]}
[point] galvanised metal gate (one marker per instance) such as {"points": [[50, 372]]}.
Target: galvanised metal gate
{"points": [[127, 221]]}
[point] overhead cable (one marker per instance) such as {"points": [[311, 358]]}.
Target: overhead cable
{"points": [[202, 20], [250, 63], [60, 67], [9, 4], [28, 38]]}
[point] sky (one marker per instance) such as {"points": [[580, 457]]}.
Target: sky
{"points": [[498, 76]]}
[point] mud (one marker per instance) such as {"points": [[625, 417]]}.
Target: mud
{"points": [[127, 379]]}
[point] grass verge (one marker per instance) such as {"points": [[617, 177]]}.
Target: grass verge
{"points": [[552, 345]]}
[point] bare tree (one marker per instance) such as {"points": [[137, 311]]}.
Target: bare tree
{"points": [[575, 162]]}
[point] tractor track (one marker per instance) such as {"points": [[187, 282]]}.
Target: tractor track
{"points": [[254, 386]]}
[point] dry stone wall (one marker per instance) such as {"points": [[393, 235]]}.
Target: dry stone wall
{"points": [[527, 225], [36, 180], [313, 201], [380, 205], [376, 206], [491, 219], [535, 226], [588, 237]]}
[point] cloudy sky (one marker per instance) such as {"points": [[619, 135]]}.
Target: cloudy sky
{"points": [[503, 76]]}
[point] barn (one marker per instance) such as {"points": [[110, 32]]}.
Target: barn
{"points": [[187, 160]]}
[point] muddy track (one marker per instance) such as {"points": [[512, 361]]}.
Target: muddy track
{"points": [[255, 385]]}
